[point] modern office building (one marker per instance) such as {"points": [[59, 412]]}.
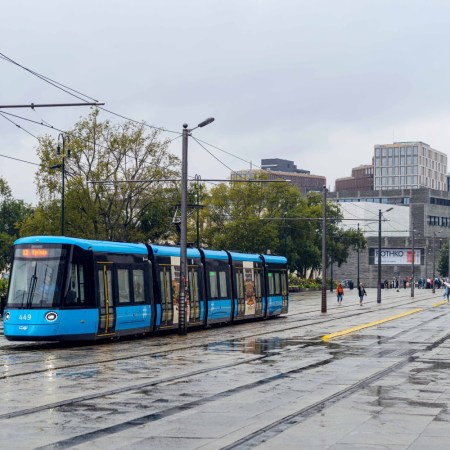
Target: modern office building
{"points": [[409, 165]]}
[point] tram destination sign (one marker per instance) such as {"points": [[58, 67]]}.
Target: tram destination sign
{"points": [[395, 256]]}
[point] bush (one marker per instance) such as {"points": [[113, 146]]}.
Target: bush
{"points": [[296, 283]]}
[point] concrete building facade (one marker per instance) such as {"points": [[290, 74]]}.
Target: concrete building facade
{"points": [[424, 210]]}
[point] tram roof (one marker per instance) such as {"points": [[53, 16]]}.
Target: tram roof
{"points": [[86, 244], [275, 259], [216, 254], [245, 257], [163, 250]]}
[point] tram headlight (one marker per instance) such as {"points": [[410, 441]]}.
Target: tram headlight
{"points": [[7, 316], [51, 316]]}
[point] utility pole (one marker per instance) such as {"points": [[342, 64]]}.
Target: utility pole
{"points": [[324, 250], [182, 322]]}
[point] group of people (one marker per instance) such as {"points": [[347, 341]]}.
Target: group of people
{"points": [[340, 293]]}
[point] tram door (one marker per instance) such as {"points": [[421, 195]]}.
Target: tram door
{"points": [[107, 316], [169, 293], [284, 292], [193, 301]]}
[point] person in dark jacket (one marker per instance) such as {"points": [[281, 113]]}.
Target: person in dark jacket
{"points": [[361, 293]]}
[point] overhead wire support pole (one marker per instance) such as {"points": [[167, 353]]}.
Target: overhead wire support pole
{"points": [[379, 254], [324, 250], [379, 259], [434, 263]]}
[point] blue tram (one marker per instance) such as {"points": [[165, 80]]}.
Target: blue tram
{"points": [[64, 288]]}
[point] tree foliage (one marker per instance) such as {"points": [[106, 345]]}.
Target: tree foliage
{"points": [[113, 181], [12, 213], [274, 217]]}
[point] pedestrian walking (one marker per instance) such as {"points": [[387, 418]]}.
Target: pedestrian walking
{"points": [[361, 292], [447, 292], [339, 293]]}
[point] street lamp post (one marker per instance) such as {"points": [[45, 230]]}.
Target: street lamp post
{"points": [[434, 261], [379, 255], [413, 257], [357, 275], [62, 166], [331, 271], [448, 262], [182, 323]]}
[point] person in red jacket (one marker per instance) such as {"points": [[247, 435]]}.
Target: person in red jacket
{"points": [[339, 293]]}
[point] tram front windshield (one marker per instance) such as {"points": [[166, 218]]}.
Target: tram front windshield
{"points": [[37, 276]]}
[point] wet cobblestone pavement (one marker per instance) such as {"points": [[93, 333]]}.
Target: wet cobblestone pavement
{"points": [[268, 385]]}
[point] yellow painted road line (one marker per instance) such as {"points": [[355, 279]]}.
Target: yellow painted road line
{"points": [[440, 303], [327, 337]]}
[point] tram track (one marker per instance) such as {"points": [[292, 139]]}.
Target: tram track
{"points": [[252, 439], [264, 433], [303, 322], [269, 431]]}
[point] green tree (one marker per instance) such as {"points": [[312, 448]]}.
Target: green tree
{"points": [[257, 217], [234, 217], [12, 213], [130, 159]]}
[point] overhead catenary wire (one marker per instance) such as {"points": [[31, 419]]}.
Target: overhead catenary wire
{"points": [[77, 94], [18, 126], [215, 157], [242, 159]]}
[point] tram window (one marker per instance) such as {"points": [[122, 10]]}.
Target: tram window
{"points": [[271, 283], [277, 283], [105, 292], [81, 284], [283, 283], [166, 287], [213, 285], [124, 285], [138, 285], [239, 284], [258, 292], [75, 295], [223, 284], [193, 285]]}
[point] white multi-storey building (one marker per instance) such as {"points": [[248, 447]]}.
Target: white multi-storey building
{"points": [[409, 165]]}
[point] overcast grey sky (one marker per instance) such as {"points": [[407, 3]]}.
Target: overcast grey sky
{"points": [[318, 82]]}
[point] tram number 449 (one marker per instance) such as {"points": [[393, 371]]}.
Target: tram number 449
{"points": [[25, 317]]}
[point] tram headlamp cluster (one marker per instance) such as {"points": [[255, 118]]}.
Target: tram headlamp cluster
{"points": [[7, 316], [51, 316]]}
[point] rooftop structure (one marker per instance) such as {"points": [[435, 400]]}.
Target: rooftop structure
{"points": [[281, 165], [303, 181], [362, 178]]}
